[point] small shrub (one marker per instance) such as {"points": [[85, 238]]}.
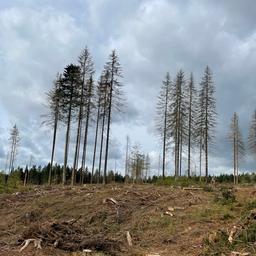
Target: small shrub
{"points": [[208, 188], [251, 205], [227, 197], [227, 216]]}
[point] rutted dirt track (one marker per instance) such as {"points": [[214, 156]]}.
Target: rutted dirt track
{"points": [[163, 220]]}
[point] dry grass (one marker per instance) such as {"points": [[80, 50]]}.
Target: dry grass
{"points": [[140, 210]]}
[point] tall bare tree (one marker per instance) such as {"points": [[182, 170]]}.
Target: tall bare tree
{"points": [[137, 163], [162, 119], [70, 86], [252, 136], [87, 111], [177, 117], [14, 141], [235, 137], [127, 158], [87, 70], [207, 113], [53, 116], [104, 91], [147, 167], [98, 108], [113, 67], [191, 93]]}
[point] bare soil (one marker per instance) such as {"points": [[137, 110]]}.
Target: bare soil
{"points": [[69, 220]]}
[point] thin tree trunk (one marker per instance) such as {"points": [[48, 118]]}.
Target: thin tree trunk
{"points": [[64, 180], [86, 127], [78, 140], [234, 152], [206, 135], [95, 141], [127, 159], [53, 149], [25, 177], [189, 131], [165, 130], [181, 142], [200, 159], [102, 139], [108, 127]]}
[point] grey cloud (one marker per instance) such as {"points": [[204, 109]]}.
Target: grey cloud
{"points": [[151, 37]]}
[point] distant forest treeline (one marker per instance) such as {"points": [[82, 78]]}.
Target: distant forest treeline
{"points": [[39, 176]]}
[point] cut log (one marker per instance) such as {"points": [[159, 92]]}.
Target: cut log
{"points": [[87, 252], [37, 244], [239, 253], [172, 209], [129, 238], [111, 200], [232, 233], [191, 188], [168, 213]]}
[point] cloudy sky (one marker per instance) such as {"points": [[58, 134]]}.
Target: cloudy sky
{"points": [[39, 38]]}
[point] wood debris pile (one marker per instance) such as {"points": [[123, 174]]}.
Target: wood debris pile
{"points": [[69, 237]]}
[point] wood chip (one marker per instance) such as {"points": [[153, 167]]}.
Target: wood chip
{"points": [[232, 233], [129, 238]]}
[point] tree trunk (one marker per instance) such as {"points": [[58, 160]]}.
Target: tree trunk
{"points": [[206, 135], [78, 139], [53, 149], [87, 125], [108, 126], [234, 152], [181, 142], [95, 141], [165, 130], [67, 140], [189, 131], [200, 158], [102, 139]]}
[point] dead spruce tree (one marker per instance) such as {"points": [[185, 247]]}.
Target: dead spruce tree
{"points": [[98, 109], [177, 116], [137, 164], [53, 117], [70, 87], [127, 156], [191, 113], [162, 119], [147, 167], [207, 113], [14, 143], [104, 102], [87, 70], [252, 136], [113, 67], [87, 112], [235, 138]]}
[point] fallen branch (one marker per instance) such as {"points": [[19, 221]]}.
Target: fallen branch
{"points": [[239, 253], [37, 244], [111, 200], [232, 233], [86, 252], [168, 213], [129, 238], [191, 188], [172, 209]]}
